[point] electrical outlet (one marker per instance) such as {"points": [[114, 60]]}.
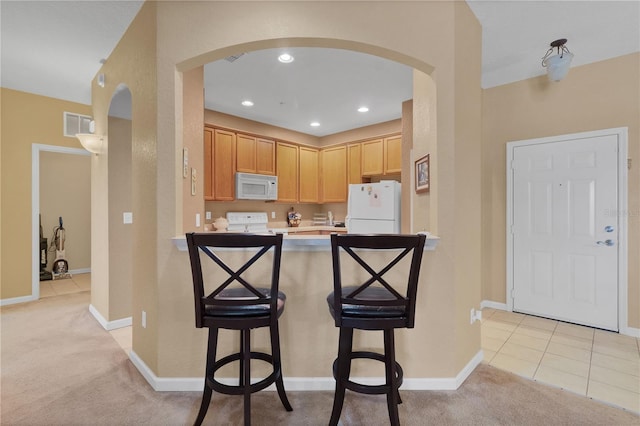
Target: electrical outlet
{"points": [[273, 215], [144, 319], [207, 215], [197, 220], [475, 316]]}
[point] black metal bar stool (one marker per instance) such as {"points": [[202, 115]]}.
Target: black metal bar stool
{"points": [[373, 305], [235, 304]]}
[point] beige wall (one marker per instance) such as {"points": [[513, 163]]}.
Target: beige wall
{"points": [[428, 36], [120, 234], [26, 119], [597, 96], [65, 190]]}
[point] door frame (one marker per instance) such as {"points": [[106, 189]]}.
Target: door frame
{"points": [[622, 135], [36, 149]]}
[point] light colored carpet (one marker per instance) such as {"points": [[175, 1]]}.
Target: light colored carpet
{"points": [[59, 367]]}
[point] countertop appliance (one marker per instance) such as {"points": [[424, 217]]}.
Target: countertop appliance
{"points": [[254, 222], [250, 186], [374, 208]]}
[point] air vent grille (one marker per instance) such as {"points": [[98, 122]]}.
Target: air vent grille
{"points": [[76, 123], [233, 57]]}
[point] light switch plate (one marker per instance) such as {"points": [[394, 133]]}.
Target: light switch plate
{"points": [[193, 181], [185, 162], [127, 218]]}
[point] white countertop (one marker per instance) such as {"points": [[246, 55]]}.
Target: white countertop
{"points": [[306, 242]]}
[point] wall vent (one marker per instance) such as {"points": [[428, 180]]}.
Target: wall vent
{"points": [[233, 57], [76, 123]]}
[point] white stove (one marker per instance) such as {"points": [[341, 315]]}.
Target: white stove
{"points": [[254, 222]]}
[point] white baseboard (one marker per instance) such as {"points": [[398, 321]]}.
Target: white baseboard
{"points": [[630, 331], [193, 384], [14, 300], [80, 271], [493, 305], [109, 325]]}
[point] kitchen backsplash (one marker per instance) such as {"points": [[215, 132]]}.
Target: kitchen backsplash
{"points": [[220, 208]]}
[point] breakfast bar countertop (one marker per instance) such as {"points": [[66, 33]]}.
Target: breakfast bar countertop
{"points": [[302, 241]]}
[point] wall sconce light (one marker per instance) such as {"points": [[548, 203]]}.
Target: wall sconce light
{"points": [[557, 65], [91, 142]]}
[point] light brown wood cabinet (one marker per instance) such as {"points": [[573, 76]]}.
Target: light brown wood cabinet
{"points": [[224, 165], [334, 174], [373, 157], [393, 155], [255, 155], [208, 165], [309, 184], [354, 159], [287, 171]]}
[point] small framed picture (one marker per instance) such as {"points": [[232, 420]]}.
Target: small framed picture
{"points": [[422, 174]]}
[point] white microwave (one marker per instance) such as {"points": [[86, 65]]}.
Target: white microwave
{"points": [[250, 186]]}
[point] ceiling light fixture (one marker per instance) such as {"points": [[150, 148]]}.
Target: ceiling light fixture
{"points": [[363, 109], [314, 124], [247, 103], [285, 58], [557, 65]]}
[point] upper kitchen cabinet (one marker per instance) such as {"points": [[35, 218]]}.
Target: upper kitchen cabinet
{"points": [[372, 157], [393, 155], [223, 165], [382, 156], [255, 155], [208, 164], [334, 174], [309, 185], [354, 161], [287, 171]]}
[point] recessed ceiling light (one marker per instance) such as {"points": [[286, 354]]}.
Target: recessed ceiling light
{"points": [[285, 58], [363, 109], [247, 103], [314, 124]]}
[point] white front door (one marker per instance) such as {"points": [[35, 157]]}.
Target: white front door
{"points": [[565, 230]]}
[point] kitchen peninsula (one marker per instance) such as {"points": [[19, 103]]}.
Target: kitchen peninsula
{"points": [[307, 332]]}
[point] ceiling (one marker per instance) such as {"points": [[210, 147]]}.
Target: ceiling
{"points": [[54, 48]]}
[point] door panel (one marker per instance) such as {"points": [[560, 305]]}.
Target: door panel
{"points": [[562, 267]]}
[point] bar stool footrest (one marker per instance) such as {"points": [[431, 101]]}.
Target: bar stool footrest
{"points": [[368, 389], [239, 389]]}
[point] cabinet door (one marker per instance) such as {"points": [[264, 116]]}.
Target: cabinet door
{"points": [[208, 165], [245, 153], [372, 157], [393, 155], [287, 172], [265, 156], [309, 173], [224, 160], [354, 158], [334, 175]]}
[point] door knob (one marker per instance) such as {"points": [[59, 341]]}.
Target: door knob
{"points": [[607, 243]]}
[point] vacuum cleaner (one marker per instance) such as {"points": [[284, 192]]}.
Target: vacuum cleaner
{"points": [[60, 265]]}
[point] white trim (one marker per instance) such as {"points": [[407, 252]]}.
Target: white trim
{"points": [[80, 271], [110, 325], [35, 223], [623, 284], [14, 300], [493, 305], [630, 331], [192, 384]]}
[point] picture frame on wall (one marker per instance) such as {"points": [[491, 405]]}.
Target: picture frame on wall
{"points": [[422, 174]]}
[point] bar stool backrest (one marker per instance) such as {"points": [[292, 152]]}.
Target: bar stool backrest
{"points": [[398, 298], [208, 244]]}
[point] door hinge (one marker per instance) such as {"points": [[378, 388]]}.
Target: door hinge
{"points": [[629, 163]]}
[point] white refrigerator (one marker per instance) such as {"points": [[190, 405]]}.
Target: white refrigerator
{"points": [[374, 208]]}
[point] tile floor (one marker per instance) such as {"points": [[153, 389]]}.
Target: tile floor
{"points": [[599, 364], [75, 284]]}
